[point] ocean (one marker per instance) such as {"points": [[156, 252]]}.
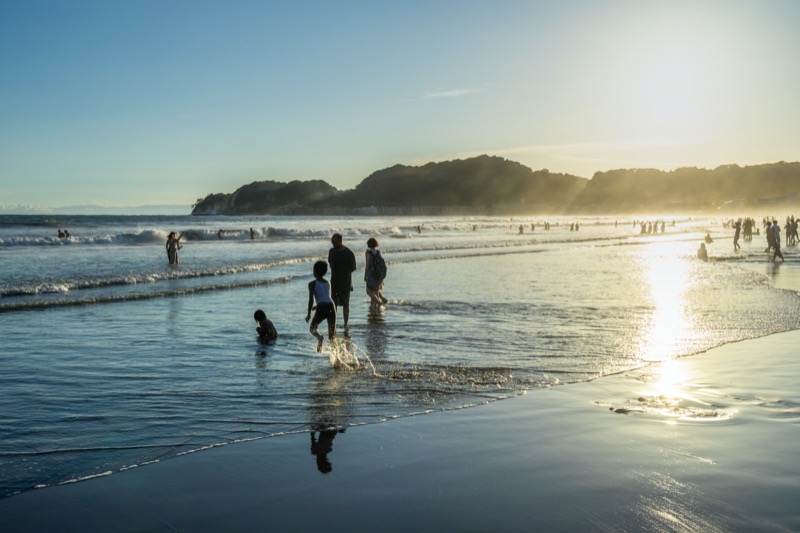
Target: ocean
{"points": [[111, 359]]}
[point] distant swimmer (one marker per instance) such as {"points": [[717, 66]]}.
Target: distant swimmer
{"points": [[708, 238], [61, 234], [521, 229], [702, 253], [319, 290], [173, 245], [252, 234], [266, 329]]}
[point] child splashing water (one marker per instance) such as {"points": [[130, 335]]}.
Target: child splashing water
{"points": [[319, 290]]}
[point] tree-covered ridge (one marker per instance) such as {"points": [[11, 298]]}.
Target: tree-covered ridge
{"points": [[727, 186], [265, 197], [478, 183], [495, 185]]}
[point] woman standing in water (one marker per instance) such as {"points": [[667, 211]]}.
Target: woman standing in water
{"points": [[173, 245], [374, 273]]}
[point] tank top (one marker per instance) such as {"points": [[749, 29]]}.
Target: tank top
{"points": [[322, 293]]}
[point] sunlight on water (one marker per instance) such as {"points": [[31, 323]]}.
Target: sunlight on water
{"points": [[670, 393], [670, 380], [668, 279]]}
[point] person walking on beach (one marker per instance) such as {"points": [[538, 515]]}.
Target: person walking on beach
{"points": [[738, 227], [173, 245], [319, 290], [374, 273], [776, 241], [342, 261], [770, 235]]}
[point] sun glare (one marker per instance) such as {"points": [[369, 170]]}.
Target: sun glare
{"points": [[667, 277]]}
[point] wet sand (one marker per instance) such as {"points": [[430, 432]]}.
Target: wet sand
{"points": [[705, 443]]}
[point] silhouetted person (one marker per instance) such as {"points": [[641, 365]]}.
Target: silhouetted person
{"points": [[776, 242], [266, 329], [342, 261], [173, 245], [319, 290], [374, 274], [702, 253], [738, 226]]}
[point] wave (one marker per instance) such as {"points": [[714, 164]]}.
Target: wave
{"points": [[149, 295], [406, 254], [92, 235], [142, 237]]}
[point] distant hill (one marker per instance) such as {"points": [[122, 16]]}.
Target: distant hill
{"points": [[725, 188], [265, 197], [493, 185], [482, 183]]}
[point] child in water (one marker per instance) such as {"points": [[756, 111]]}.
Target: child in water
{"points": [[266, 329], [320, 290], [702, 253]]}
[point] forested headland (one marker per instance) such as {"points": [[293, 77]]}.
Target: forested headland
{"points": [[493, 185]]}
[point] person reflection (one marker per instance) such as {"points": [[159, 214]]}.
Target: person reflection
{"points": [[321, 446], [330, 409]]}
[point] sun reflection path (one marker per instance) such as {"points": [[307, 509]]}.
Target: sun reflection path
{"points": [[668, 276], [670, 393]]}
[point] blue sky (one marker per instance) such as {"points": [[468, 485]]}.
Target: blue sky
{"points": [[162, 102]]}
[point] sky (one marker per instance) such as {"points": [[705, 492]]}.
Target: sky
{"points": [[142, 102]]}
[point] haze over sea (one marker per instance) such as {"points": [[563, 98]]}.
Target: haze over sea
{"points": [[111, 359]]}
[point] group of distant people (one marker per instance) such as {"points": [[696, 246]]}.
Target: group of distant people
{"points": [[743, 228], [326, 297], [649, 228], [63, 234]]}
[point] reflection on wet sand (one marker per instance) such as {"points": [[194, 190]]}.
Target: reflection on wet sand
{"points": [[668, 391], [321, 446], [330, 410]]}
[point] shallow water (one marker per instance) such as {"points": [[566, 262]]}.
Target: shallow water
{"points": [[111, 359]]}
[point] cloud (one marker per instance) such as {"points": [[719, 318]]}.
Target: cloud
{"points": [[451, 93]]}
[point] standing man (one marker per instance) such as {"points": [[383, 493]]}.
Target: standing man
{"points": [[342, 261]]}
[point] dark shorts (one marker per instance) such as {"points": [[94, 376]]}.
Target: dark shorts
{"points": [[324, 312], [340, 294]]}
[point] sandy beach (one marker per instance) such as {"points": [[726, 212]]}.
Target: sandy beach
{"points": [[704, 443]]}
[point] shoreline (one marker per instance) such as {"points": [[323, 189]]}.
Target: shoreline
{"points": [[705, 442]]}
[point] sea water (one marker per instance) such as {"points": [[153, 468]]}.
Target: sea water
{"points": [[112, 359]]}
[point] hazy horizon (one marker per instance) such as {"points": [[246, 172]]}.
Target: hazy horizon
{"points": [[182, 99]]}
